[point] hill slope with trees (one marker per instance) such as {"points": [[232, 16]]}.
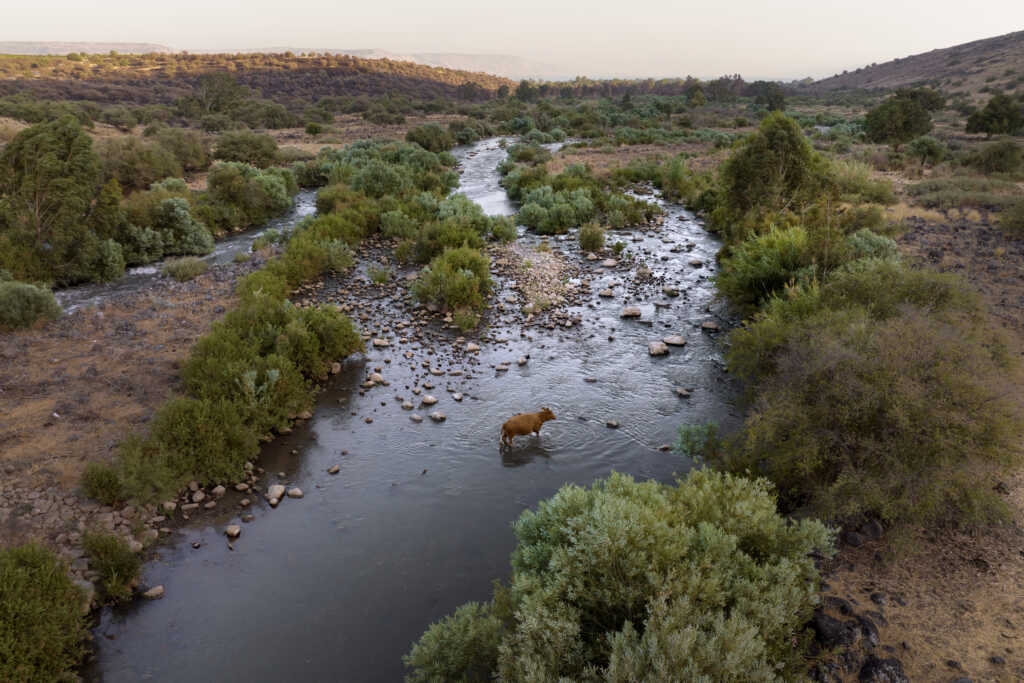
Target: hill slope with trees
{"points": [[974, 68]]}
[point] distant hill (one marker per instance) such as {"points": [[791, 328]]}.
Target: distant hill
{"points": [[26, 47], [508, 66], [962, 69], [161, 78]]}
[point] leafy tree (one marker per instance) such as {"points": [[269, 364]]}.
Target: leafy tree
{"points": [[526, 91], [931, 100], [502, 92], [1000, 115], [768, 94], [772, 171], [696, 98], [928, 149], [896, 121], [247, 147]]}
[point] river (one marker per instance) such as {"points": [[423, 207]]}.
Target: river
{"points": [[336, 586]]}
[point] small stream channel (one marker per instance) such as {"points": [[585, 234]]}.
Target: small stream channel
{"points": [[336, 586]]}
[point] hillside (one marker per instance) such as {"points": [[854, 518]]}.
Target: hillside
{"points": [[161, 77], [968, 69], [49, 47]]}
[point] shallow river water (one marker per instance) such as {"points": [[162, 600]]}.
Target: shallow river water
{"points": [[336, 586]]}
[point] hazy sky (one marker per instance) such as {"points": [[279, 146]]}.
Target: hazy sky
{"points": [[756, 38]]}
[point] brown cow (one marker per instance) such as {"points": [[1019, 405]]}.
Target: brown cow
{"points": [[523, 424]]}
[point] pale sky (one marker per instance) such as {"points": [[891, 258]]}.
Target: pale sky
{"points": [[756, 38]]}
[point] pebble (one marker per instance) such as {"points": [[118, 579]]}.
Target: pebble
{"points": [[522, 360], [295, 492], [233, 531], [674, 340], [333, 469], [457, 396], [429, 400], [710, 326], [416, 418], [612, 424], [438, 416], [381, 343], [472, 348], [218, 491], [275, 491]]}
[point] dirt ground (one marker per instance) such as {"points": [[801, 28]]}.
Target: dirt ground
{"points": [[348, 128], [70, 390]]}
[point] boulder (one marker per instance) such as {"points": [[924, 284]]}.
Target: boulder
{"points": [[276, 491], [154, 593], [295, 492], [631, 312], [233, 531], [438, 416], [674, 340]]}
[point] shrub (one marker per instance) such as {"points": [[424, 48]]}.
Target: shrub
{"points": [[22, 304], [856, 182], [998, 157], [503, 229], [591, 237], [180, 232], [42, 632], [184, 269], [256, 149], [641, 581], [263, 283], [1000, 115], [136, 163], [457, 279], [314, 128], [905, 419], [117, 565], [101, 482], [763, 265], [203, 438], [1012, 220], [379, 275], [431, 137]]}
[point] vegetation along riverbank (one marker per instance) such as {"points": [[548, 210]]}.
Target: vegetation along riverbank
{"points": [[864, 520]]}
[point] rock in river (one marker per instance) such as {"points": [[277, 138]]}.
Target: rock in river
{"points": [[276, 491], [233, 531], [438, 416], [429, 400], [631, 312], [709, 326], [657, 348], [154, 593], [295, 492], [674, 340], [380, 343]]}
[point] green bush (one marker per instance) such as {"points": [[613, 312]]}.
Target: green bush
{"points": [[101, 482], [897, 120], [205, 439], [181, 233], [42, 631], [763, 265], [22, 304], [591, 237], [314, 128], [998, 157], [906, 419], [927, 150], [263, 283], [503, 229], [137, 163], [117, 565], [631, 581], [458, 279], [1012, 220], [256, 149], [184, 269], [431, 137], [379, 275]]}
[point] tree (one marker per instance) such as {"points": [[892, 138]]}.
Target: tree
{"points": [[502, 92], [896, 121], [768, 94], [526, 91], [931, 100], [49, 176], [1000, 115], [696, 98]]}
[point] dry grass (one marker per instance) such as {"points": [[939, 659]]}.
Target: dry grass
{"points": [[71, 390]]}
